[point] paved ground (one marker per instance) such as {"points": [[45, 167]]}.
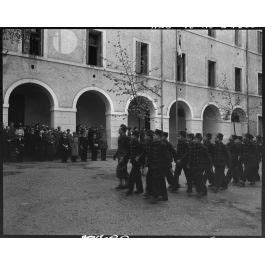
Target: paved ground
{"points": [[52, 198]]}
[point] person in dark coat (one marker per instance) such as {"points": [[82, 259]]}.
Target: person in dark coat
{"points": [[232, 171], [65, 147], [135, 153], [181, 161], [258, 143], [20, 146], [157, 165], [94, 146], [208, 174], [50, 139], [249, 156], [198, 160], [103, 145], [122, 155], [148, 178], [221, 159], [171, 155], [74, 147], [83, 144]]}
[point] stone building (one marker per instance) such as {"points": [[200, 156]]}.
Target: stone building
{"points": [[57, 77]]}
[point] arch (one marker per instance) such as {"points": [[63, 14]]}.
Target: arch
{"points": [[54, 101], [145, 96], [180, 100], [241, 113], [102, 93], [207, 105]]}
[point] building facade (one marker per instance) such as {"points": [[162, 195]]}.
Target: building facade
{"points": [[58, 77]]}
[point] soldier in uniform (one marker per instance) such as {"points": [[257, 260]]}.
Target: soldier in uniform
{"points": [[94, 145], [208, 174], [157, 166], [135, 153], [50, 146], [171, 155], [65, 147], [249, 157], [232, 171], [258, 142], [147, 145], [74, 147], [122, 155], [181, 161], [221, 159], [83, 145], [198, 160], [20, 145]]}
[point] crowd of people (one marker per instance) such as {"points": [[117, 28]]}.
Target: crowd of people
{"points": [[201, 161], [41, 143]]}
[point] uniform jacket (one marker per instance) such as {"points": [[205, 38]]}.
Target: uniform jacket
{"points": [[136, 150], [222, 156], [158, 155], [249, 153], [123, 146]]}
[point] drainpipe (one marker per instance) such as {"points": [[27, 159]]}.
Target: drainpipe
{"points": [[162, 77], [247, 79], [176, 77]]}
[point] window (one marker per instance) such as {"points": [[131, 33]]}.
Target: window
{"points": [[212, 33], [260, 84], [142, 50], [238, 74], [32, 41], [259, 40], [238, 37], [181, 73], [94, 47], [211, 73]]}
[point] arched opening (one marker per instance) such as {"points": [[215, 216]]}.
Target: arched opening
{"points": [[91, 109], [30, 103], [141, 113], [184, 115], [239, 121], [211, 120]]}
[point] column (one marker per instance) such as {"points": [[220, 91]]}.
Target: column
{"points": [[5, 114], [63, 117], [113, 122]]}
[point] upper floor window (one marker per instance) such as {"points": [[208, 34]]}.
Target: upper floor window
{"points": [[238, 37], [212, 33], [32, 41], [94, 47], [181, 71], [260, 84], [259, 41], [211, 73], [238, 77], [142, 57]]}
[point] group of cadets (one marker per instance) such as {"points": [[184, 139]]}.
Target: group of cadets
{"points": [[200, 159], [42, 143]]}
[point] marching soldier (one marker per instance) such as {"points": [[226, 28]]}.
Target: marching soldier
{"points": [[157, 166], [249, 157], [147, 145], [171, 154], [181, 161], [221, 159], [135, 153], [208, 174], [198, 160], [122, 155]]}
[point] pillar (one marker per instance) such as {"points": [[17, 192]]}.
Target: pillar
{"points": [[5, 114], [63, 117], [113, 122]]}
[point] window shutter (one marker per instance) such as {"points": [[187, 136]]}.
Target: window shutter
{"points": [[26, 40], [146, 60], [100, 56], [138, 57]]}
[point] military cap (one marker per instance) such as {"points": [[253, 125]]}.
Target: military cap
{"points": [[190, 135], [183, 134], [159, 132], [135, 133], [249, 136], [220, 136], [149, 133], [208, 136], [165, 134], [198, 136]]}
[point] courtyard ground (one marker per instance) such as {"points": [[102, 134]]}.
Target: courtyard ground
{"points": [[52, 198]]}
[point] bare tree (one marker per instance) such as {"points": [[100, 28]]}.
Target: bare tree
{"points": [[226, 101], [129, 81]]}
